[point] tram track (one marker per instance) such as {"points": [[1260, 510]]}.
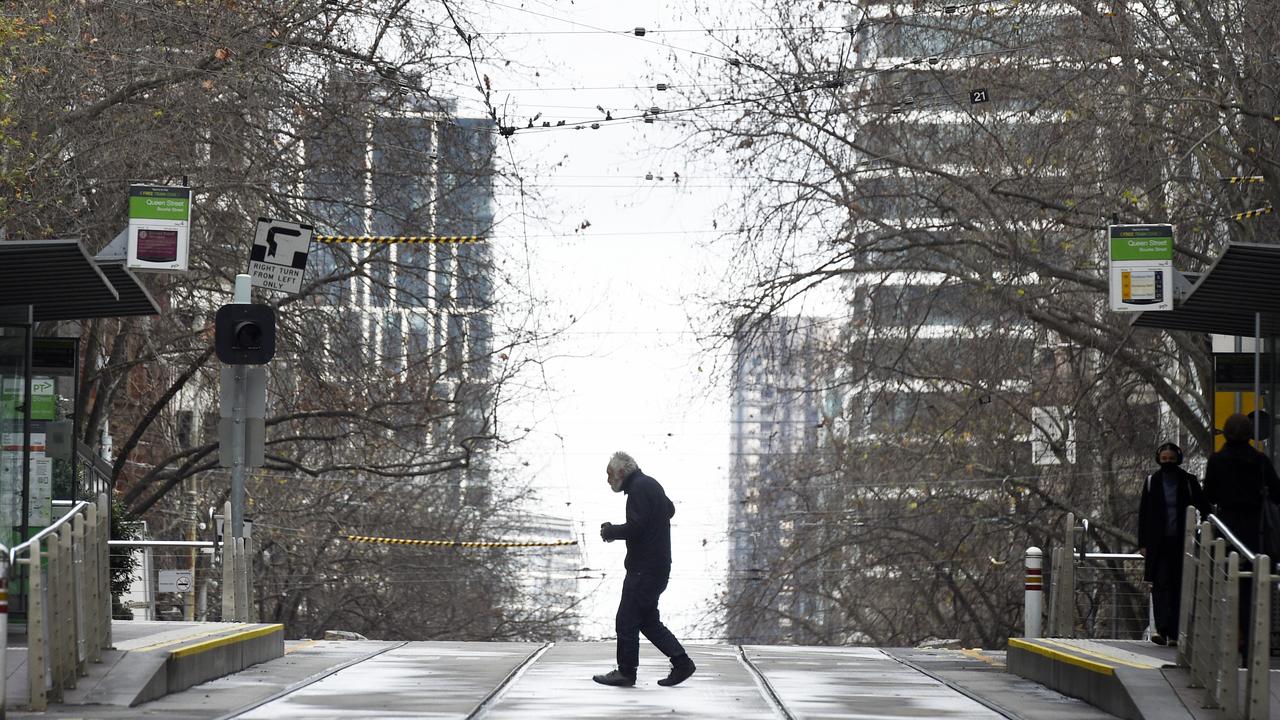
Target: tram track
{"points": [[770, 695], [495, 694], [295, 687]]}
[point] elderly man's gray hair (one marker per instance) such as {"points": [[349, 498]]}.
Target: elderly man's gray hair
{"points": [[623, 464]]}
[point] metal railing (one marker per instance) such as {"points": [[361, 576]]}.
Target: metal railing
{"points": [[1217, 570], [1095, 594], [68, 587]]}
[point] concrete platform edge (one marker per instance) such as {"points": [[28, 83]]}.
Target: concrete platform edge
{"points": [[195, 664], [1095, 683]]}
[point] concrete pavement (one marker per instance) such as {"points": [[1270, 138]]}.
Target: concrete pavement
{"points": [[502, 681]]}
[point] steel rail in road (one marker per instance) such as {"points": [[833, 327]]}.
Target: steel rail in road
{"points": [[309, 681], [989, 704], [766, 689], [492, 698]]}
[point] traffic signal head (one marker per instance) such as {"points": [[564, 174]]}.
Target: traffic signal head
{"points": [[245, 334]]}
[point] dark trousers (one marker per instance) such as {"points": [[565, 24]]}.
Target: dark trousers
{"points": [[638, 613], [1166, 586]]}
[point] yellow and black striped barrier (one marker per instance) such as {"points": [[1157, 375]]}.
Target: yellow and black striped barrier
{"points": [[400, 239], [457, 543], [1250, 214], [1244, 179]]}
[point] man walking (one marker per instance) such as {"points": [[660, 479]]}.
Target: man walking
{"points": [[648, 535]]}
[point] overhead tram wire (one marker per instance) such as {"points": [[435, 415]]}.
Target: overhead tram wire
{"points": [[833, 84]]}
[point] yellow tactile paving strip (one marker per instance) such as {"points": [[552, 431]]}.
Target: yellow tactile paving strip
{"points": [[231, 633], [1093, 657]]}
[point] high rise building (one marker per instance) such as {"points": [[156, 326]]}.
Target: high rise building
{"points": [[421, 309], [781, 405]]}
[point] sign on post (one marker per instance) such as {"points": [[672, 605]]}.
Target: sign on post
{"points": [[279, 256], [174, 581], [255, 409], [159, 228], [1141, 267]]}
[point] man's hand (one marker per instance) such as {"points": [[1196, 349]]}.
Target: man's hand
{"points": [[604, 529], [1142, 552]]}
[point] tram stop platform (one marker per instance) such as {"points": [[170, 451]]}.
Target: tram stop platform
{"points": [[1131, 679], [151, 659]]}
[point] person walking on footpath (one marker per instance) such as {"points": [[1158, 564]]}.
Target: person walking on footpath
{"points": [[1237, 481], [1162, 519], [647, 532]]}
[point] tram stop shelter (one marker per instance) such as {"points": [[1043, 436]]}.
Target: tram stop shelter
{"points": [[41, 281], [1239, 295]]}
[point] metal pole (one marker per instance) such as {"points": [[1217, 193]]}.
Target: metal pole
{"points": [[1239, 348], [1257, 379], [238, 412], [1033, 597], [189, 598], [26, 426]]}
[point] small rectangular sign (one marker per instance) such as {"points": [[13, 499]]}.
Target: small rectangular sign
{"points": [[174, 581], [159, 228], [1140, 267]]}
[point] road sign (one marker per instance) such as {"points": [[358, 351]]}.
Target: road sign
{"points": [[279, 257], [174, 581]]}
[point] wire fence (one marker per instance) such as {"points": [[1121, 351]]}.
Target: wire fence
{"points": [[1111, 599], [166, 581]]}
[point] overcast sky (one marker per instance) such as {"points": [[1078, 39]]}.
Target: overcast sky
{"points": [[630, 373]]}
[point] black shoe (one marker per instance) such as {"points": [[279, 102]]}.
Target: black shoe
{"points": [[679, 673], [1158, 639], [616, 678]]}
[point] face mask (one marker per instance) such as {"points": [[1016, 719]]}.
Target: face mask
{"points": [[1168, 465]]}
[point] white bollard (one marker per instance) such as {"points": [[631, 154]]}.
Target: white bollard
{"points": [[1033, 597]]}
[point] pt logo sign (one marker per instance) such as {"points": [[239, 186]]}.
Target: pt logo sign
{"points": [[279, 257]]}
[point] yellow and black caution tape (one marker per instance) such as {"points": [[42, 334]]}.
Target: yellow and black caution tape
{"points": [[1249, 214], [400, 239], [457, 543], [1244, 179]]}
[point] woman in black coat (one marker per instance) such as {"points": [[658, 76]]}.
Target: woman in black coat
{"points": [[1162, 518]]}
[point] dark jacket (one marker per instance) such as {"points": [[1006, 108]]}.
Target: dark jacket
{"points": [[1233, 482], [1152, 509], [648, 527]]}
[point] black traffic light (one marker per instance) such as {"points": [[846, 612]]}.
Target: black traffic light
{"points": [[245, 334]]}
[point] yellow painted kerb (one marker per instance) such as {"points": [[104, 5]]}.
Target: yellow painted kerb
{"points": [[226, 640], [1061, 656], [1104, 657]]}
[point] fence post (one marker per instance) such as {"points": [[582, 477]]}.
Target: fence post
{"points": [[53, 610], [1259, 693], [1033, 595], [1055, 562], [80, 593], [242, 582], [228, 567], [1200, 652], [251, 607], [1213, 678], [1186, 597], [93, 593], [36, 645], [104, 569], [67, 608], [1228, 658]]}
